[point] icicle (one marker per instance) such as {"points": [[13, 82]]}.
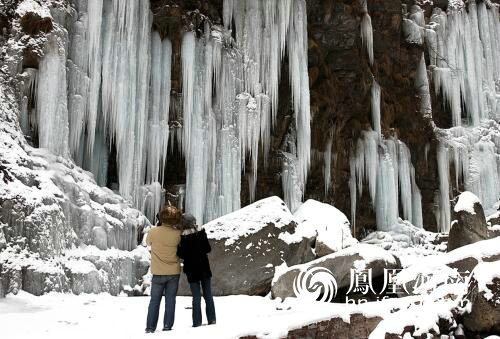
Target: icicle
{"points": [[386, 202], [375, 103], [444, 218], [417, 218], [422, 87], [94, 60], [327, 156], [405, 181], [158, 128], [51, 106], [292, 187], [352, 190], [367, 31]]}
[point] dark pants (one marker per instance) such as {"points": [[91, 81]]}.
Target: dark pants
{"points": [[162, 285], [209, 301]]}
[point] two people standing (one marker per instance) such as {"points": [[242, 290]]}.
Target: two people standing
{"points": [[178, 237]]}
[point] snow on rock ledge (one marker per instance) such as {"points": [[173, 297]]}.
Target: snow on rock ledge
{"points": [[329, 226]]}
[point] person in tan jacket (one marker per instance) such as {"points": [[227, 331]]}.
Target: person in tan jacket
{"points": [[165, 267]]}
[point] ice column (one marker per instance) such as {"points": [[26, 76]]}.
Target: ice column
{"points": [[52, 99]]}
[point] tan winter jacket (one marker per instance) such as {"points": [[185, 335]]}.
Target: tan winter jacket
{"points": [[163, 241]]}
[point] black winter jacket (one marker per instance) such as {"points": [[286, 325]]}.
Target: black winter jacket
{"points": [[193, 248]]}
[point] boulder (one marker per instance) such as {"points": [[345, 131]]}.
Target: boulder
{"points": [[469, 223], [484, 295], [248, 244], [340, 264], [451, 266], [324, 225]]}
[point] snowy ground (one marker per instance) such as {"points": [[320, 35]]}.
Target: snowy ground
{"points": [[103, 316]]}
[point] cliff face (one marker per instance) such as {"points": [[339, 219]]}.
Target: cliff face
{"points": [[341, 78], [340, 83]]}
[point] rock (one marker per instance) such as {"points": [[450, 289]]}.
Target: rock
{"points": [[359, 257], [449, 266], [484, 294], [44, 279], [248, 244], [359, 326], [469, 223], [325, 226]]}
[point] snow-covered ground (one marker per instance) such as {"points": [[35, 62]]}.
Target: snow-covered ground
{"points": [[56, 315]]}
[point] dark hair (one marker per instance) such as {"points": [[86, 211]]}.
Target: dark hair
{"points": [[170, 215], [188, 221]]}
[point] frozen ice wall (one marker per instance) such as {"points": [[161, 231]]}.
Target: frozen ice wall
{"points": [[111, 78], [117, 93], [463, 47], [385, 165], [231, 121]]}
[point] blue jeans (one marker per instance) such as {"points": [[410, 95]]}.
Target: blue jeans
{"points": [[162, 285], [209, 301]]}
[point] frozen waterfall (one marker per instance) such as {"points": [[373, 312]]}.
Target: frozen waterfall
{"points": [[386, 166]]}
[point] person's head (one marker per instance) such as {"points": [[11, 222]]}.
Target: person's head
{"points": [[188, 222], [170, 215]]}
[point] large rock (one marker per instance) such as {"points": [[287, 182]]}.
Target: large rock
{"points": [[340, 264], [325, 225], [469, 223], [484, 294], [248, 244], [434, 270]]}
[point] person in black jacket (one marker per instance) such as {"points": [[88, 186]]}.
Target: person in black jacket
{"points": [[193, 249]]}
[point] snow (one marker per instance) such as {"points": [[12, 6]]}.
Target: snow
{"points": [[60, 315], [329, 225], [484, 273], [32, 6], [249, 220], [466, 202]]}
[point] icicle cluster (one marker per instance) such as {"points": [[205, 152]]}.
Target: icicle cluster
{"points": [[230, 100], [475, 156], [463, 45], [386, 166], [113, 96], [464, 49]]}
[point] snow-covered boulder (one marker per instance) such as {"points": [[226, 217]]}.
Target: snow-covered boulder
{"points": [[432, 271], [324, 223], [469, 223], [247, 244], [358, 257], [484, 294]]}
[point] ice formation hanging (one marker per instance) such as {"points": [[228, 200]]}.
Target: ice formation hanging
{"points": [[229, 121], [464, 49], [463, 45], [475, 156], [132, 116], [367, 31], [385, 165]]}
